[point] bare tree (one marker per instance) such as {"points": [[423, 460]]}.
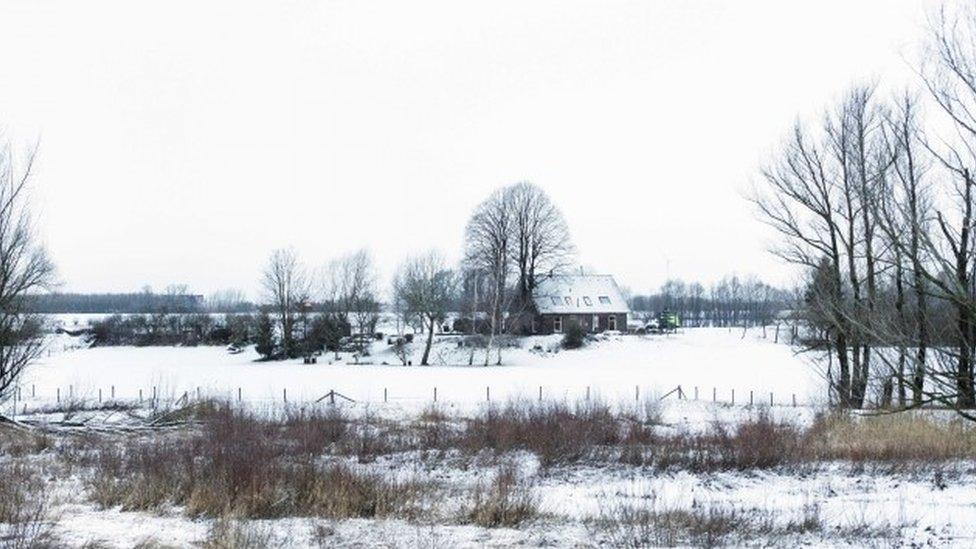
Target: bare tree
{"points": [[950, 77], [540, 243], [25, 269], [905, 215], [488, 252], [286, 285], [426, 289], [802, 201], [352, 285]]}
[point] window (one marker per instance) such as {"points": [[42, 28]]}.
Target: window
{"points": [[612, 322], [604, 300], [555, 300], [557, 323], [568, 301], [588, 301]]}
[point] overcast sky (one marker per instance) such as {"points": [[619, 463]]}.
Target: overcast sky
{"points": [[183, 141]]}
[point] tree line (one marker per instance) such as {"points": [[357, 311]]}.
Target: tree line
{"points": [[175, 298], [875, 202], [732, 301]]}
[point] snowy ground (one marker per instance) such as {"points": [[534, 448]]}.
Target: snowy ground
{"points": [[616, 368], [890, 511], [858, 507], [908, 509]]}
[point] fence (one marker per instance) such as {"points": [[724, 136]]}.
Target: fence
{"points": [[27, 399]]}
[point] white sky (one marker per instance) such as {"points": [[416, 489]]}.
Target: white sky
{"points": [[182, 141]]}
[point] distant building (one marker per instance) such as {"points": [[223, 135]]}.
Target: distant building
{"points": [[593, 301]]}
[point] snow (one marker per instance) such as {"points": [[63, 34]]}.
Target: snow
{"points": [[552, 293], [615, 368]]}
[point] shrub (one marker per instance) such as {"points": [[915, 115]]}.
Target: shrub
{"points": [[554, 431], [575, 336]]}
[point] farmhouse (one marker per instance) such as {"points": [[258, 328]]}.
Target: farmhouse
{"points": [[593, 301]]}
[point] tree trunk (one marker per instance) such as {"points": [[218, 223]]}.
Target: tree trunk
{"points": [[430, 340]]}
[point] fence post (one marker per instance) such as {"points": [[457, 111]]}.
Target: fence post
{"points": [[636, 393], [154, 394], [750, 397], [384, 395], [198, 393], [435, 394], [794, 400], [696, 392], [488, 393], [733, 397], [113, 392], [587, 392], [33, 391], [140, 396], [540, 393], [71, 391], [99, 396], [238, 394], [284, 395], [714, 394], [770, 398], [59, 395]]}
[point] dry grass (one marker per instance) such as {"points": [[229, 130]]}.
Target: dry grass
{"points": [[24, 519], [644, 522], [505, 501], [237, 534], [907, 437], [241, 466]]}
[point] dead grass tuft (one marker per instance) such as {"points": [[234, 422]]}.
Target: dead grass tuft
{"points": [[503, 502]]}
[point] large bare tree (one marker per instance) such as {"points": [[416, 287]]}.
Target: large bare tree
{"points": [[425, 287], [25, 269], [802, 202], [540, 244]]}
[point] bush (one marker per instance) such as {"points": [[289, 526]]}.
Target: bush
{"points": [[554, 431], [575, 335]]}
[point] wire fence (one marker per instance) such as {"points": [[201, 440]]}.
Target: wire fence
{"points": [[28, 399]]}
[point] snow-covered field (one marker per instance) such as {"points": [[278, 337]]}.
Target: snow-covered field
{"points": [[615, 368]]}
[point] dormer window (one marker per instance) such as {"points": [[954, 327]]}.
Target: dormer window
{"points": [[604, 300]]}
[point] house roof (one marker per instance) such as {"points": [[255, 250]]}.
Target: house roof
{"points": [[579, 294]]}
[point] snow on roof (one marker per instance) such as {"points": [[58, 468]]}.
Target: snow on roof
{"points": [[579, 294]]}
